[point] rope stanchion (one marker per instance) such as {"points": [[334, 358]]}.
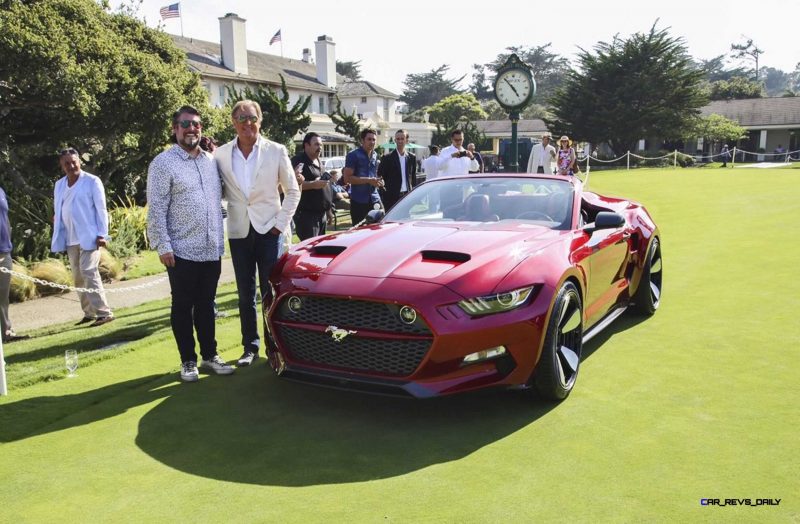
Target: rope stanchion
{"points": [[675, 159], [64, 287], [628, 154], [733, 158]]}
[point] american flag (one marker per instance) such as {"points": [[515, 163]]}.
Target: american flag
{"points": [[275, 38], [171, 11]]}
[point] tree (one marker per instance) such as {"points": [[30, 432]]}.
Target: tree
{"points": [[714, 69], [456, 108], [480, 83], [629, 89], [776, 81], [350, 70], [346, 123], [73, 73], [717, 128], [281, 123], [734, 89], [457, 112], [549, 69], [425, 89], [748, 51]]}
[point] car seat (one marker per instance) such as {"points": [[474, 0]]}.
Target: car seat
{"points": [[477, 209]]}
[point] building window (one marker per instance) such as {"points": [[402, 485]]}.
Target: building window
{"points": [[363, 100], [222, 93], [322, 105]]}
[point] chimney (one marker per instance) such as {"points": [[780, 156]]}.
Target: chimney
{"points": [[307, 55], [326, 61], [233, 43]]}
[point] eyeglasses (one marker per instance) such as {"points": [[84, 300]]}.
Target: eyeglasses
{"points": [[247, 118], [68, 151], [194, 123]]}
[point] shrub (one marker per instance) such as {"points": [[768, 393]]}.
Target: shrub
{"points": [[685, 160], [128, 229], [21, 289], [110, 266], [51, 270]]}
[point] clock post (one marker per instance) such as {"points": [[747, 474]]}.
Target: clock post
{"points": [[514, 166], [514, 88]]}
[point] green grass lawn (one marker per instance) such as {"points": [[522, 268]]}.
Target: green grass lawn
{"points": [[699, 401]]}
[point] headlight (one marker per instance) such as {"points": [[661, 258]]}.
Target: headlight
{"points": [[497, 303]]}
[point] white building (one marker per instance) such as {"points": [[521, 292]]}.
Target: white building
{"points": [[229, 64]]}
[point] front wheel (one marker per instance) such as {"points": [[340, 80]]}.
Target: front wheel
{"points": [[557, 370], [648, 294]]}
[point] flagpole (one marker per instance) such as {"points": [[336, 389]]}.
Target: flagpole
{"points": [[180, 15], [281, 46]]}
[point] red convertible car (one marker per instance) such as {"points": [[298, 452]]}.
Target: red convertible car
{"points": [[468, 282]]}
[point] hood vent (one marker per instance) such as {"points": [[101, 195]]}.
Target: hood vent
{"points": [[328, 250], [445, 256]]}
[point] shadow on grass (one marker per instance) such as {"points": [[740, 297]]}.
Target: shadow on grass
{"points": [[623, 323], [41, 415], [255, 428]]}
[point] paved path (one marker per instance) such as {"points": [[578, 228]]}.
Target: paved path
{"points": [[34, 314]]}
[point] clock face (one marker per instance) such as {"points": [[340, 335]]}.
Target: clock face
{"points": [[512, 88]]}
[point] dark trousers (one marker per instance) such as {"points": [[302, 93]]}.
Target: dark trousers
{"points": [[254, 252], [193, 286], [309, 224], [358, 211]]}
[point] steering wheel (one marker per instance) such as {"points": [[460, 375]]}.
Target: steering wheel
{"points": [[534, 215]]}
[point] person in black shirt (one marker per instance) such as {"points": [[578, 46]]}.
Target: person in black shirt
{"points": [[316, 197]]}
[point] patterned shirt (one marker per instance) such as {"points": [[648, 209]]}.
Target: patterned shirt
{"points": [[184, 213]]}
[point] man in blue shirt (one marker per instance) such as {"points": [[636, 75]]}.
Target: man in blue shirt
{"points": [[361, 172]]}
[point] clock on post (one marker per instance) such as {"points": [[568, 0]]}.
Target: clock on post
{"points": [[514, 88]]}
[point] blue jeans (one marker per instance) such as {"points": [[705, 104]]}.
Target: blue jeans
{"points": [[254, 252]]}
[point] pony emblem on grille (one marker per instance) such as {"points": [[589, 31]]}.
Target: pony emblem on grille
{"points": [[339, 334]]}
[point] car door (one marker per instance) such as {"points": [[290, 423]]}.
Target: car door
{"points": [[608, 255]]}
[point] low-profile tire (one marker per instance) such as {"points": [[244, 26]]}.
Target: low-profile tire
{"points": [[557, 370], [648, 294]]}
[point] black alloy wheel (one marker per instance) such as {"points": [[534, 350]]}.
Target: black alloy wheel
{"points": [[557, 370], [648, 294]]}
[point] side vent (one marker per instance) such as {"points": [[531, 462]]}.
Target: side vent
{"points": [[328, 250], [445, 256]]}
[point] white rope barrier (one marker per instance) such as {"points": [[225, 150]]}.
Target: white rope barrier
{"points": [[64, 287]]}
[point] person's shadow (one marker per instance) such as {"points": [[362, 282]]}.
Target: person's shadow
{"points": [[41, 415]]}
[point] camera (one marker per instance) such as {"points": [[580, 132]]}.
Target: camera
{"points": [[462, 154]]}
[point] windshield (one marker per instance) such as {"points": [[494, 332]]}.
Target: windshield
{"points": [[543, 201]]}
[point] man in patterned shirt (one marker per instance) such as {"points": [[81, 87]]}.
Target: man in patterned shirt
{"points": [[184, 224]]}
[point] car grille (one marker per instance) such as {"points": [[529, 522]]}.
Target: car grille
{"points": [[355, 314], [397, 357]]}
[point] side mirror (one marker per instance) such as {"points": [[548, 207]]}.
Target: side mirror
{"points": [[375, 216], [605, 220]]}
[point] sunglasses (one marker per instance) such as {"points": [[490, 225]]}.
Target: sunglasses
{"points": [[194, 123], [68, 151], [247, 118]]}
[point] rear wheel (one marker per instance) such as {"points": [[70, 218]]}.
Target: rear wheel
{"points": [[648, 294], [557, 370]]}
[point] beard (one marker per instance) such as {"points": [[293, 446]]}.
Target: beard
{"points": [[191, 142]]}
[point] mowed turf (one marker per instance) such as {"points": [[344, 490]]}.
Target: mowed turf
{"points": [[699, 401]]}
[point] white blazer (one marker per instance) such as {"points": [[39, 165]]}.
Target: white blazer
{"points": [[263, 208], [88, 212], [536, 154]]}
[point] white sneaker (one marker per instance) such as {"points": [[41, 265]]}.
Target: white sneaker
{"points": [[217, 365], [189, 372]]}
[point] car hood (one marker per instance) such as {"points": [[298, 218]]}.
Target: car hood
{"points": [[462, 256]]}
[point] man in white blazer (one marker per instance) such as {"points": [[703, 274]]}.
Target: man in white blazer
{"points": [[254, 172], [80, 228], [542, 157]]}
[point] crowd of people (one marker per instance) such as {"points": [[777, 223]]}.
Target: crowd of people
{"points": [[269, 195]]}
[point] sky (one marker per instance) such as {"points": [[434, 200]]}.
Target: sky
{"points": [[394, 39]]}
